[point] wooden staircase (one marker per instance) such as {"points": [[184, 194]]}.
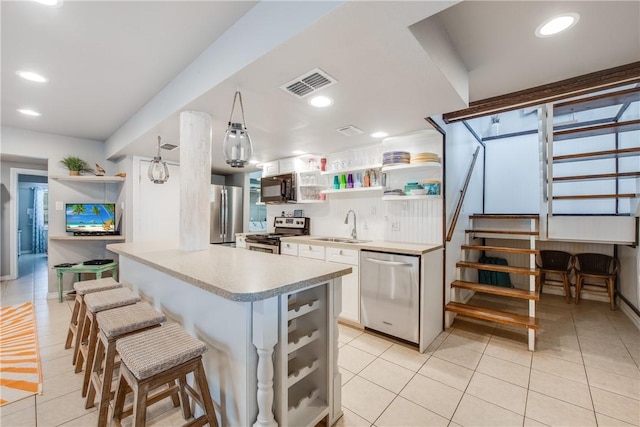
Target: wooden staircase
{"points": [[507, 227]]}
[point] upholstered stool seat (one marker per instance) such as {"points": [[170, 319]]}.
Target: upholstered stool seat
{"points": [[114, 324], [77, 317], [155, 357], [97, 302]]}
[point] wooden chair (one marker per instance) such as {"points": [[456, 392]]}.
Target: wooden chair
{"points": [[556, 263], [599, 268]]}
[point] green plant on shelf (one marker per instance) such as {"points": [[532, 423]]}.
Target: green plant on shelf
{"points": [[75, 165]]}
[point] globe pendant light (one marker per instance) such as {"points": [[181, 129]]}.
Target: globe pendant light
{"points": [[237, 145], [158, 170]]}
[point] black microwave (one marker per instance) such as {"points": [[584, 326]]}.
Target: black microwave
{"points": [[278, 188]]}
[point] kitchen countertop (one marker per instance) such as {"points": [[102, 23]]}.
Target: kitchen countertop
{"points": [[373, 245], [234, 274]]}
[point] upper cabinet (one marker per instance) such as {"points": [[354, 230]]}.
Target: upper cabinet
{"points": [[279, 167]]}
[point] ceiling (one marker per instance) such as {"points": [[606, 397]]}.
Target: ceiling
{"points": [[109, 63]]}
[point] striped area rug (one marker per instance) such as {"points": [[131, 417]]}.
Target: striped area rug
{"points": [[20, 370]]}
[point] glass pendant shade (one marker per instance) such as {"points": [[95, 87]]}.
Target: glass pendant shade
{"points": [[237, 147], [158, 171]]}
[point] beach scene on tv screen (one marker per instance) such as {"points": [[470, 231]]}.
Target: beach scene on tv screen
{"points": [[90, 217]]}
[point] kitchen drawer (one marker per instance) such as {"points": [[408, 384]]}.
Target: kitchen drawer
{"points": [[287, 248], [311, 251], [343, 256]]}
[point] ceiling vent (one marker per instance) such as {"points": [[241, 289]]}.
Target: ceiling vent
{"points": [[350, 130], [309, 83], [168, 147]]}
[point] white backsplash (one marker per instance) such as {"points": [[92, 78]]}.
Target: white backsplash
{"points": [[419, 221]]}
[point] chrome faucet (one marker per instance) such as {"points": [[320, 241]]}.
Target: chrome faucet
{"points": [[354, 233]]}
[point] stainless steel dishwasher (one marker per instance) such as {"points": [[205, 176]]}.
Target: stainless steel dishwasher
{"points": [[389, 294]]}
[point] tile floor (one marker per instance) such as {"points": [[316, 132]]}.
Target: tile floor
{"points": [[584, 371]]}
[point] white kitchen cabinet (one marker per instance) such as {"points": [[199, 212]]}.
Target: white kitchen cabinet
{"points": [[350, 283], [311, 251], [270, 168], [287, 248], [287, 165]]}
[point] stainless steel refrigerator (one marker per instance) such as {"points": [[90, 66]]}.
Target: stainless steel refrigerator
{"points": [[226, 213]]}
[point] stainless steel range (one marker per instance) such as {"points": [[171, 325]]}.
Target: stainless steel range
{"points": [[284, 226]]}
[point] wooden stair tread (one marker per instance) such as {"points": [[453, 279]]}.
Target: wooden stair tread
{"points": [[597, 176], [519, 232], [504, 216], [596, 196], [584, 132], [500, 249], [500, 268], [496, 290], [492, 315], [597, 155], [597, 101]]}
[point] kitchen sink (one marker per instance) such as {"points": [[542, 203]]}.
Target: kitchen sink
{"points": [[339, 240]]}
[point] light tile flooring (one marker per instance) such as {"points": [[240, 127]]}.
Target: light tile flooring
{"points": [[584, 370]]}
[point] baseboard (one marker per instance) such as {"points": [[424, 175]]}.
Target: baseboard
{"points": [[8, 277], [624, 307], [350, 323]]}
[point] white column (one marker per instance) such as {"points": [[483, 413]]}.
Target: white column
{"points": [[195, 180], [264, 338]]}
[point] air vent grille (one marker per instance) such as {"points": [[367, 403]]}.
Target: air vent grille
{"points": [[350, 130], [308, 83], [168, 147]]}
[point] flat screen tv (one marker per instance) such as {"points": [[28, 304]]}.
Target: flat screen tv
{"points": [[91, 218]]}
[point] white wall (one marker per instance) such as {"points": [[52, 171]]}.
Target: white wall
{"points": [[512, 175]]}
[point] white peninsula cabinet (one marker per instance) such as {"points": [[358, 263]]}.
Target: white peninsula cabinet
{"points": [[336, 255]]}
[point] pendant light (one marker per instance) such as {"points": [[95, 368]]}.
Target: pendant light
{"points": [[237, 145], [158, 170]]}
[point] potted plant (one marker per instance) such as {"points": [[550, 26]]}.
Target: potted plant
{"points": [[75, 165]]}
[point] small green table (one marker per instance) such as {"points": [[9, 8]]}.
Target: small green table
{"points": [[81, 268]]}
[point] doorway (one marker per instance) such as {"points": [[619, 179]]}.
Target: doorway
{"points": [[33, 222]]}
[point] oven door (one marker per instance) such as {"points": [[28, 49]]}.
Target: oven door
{"points": [[278, 189], [261, 247]]}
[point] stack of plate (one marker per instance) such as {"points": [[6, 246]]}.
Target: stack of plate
{"points": [[395, 192], [425, 157], [410, 186], [396, 158]]}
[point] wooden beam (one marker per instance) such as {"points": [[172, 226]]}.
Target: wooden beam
{"points": [[612, 77]]}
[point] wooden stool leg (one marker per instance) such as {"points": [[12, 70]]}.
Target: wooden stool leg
{"points": [[567, 288], [121, 394], [97, 365], [578, 288], [80, 327], [610, 289], [105, 390], [140, 392], [184, 398], [73, 325], [91, 349], [205, 394], [82, 336]]}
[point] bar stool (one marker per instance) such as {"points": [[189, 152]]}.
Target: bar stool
{"points": [[77, 317], [155, 357], [115, 324], [97, 302]]}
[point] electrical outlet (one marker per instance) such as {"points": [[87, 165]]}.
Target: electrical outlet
{"points": [[395, 226], [59, 206]]}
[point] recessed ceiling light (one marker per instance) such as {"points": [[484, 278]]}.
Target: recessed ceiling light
{"points": [[379, 134], [50, 2], [298, 152], [321, 101], [557, 24], [31, 76], [28, 112]]}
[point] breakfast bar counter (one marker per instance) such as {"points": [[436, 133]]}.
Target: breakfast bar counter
{"points": [[270, 324]]}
